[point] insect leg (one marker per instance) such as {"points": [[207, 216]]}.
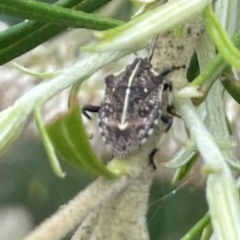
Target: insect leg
{"points": [[167, 85], [170, 108], [167, 120], [89, 108], [151, 158]]}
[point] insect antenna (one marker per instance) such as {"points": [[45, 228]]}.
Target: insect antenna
{"points": [[153, 49]]}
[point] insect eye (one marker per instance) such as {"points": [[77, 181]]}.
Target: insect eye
{"points": [[109, 80], [146, 64], [128, 69]]}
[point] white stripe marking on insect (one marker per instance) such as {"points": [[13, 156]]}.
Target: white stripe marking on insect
{"points": [[123, 125]]}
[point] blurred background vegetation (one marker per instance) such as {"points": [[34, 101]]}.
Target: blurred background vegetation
{"points": [[30, 192], [28, 184]]}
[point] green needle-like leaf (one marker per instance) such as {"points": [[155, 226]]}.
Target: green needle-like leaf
{"points": [[44, 12], [70, 140], [205, 80], [12, 121], [221, 39], [47, 143], [18, 31], [182, 157], [25, 36], [41, 75], [158, 20], [183, 171], [197, 229]]}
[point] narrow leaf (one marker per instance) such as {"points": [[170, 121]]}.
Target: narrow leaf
{"points": [[47, 143], [184, 170], [197, 228], [42, 75], [52, 13], [155, 21], [18, 31], [70, 140], [182, 157], [221, 39], [25, 36], [233, 162], [12, 122], [202, 83]]}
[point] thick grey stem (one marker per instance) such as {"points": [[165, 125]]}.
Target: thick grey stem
{"points": [[69, 216], [124, 215]]}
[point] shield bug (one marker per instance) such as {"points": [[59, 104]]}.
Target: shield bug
{"points": [[132, 106]]}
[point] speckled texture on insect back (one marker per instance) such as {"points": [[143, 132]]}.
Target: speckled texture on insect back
{"points": [[131, 108]]}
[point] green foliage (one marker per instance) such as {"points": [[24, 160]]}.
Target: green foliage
{"points": [[47, 143], [221, 39], [182, 171], [71, 142], [154, 21], [49, 20], [67, 136], [25, 36], [197, 228], [44, 12]]}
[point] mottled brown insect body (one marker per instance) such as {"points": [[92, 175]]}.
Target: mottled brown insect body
{"points": [[131, 107]]}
